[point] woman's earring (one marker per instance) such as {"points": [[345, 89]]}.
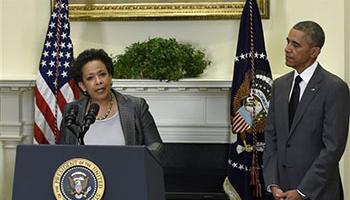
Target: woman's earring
{"points": [[85, 93]]}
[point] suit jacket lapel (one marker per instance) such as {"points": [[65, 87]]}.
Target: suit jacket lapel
{"points": [[285, 102], [310, 91], [126, 118]]}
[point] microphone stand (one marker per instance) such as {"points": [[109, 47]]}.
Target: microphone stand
{"points": [[83, 129], [81, 141], [84, 126], [80, 134]]}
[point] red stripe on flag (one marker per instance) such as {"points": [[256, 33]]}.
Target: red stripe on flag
{"points": [[45, 110], [238, 124], [75, 89], [61, 101], [238, 121], [39, 136]]}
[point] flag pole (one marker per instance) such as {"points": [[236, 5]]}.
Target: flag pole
{"points": [[250, 96], [254, 172]]}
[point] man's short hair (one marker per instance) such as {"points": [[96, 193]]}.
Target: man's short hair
{"points": [[313, 30]]}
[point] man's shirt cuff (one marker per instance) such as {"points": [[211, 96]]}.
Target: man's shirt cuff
{"points": [[301, 194], [270, 186]]}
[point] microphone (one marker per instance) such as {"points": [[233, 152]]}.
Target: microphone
{"points": [[71, 115], [89, 119]]}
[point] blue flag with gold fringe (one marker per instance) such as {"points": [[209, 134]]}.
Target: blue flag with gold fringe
{"points": [[250, 96]]}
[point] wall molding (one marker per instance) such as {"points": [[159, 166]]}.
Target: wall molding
{"points": [[182, 85], [185, 111], [10, 141]]}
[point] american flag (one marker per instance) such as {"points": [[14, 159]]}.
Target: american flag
{"points": [[240, 122], [250, 96], [54, 86]]}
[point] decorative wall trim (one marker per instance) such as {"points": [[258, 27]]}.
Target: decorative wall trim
{"points": [[10, 141], [186, 83], [10, 128], [203, 134], [132, 83], [14, 84], [186, 111]]}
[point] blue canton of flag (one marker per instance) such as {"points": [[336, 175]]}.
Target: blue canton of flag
{"points": [[250, 96], [54, 87]]}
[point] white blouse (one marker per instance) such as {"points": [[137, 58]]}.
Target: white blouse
{"points": [[105, 132]]}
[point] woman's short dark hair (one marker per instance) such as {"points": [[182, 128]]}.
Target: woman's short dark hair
{"points": [[87, 56]]}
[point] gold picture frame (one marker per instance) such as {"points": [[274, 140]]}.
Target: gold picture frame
{"points": [[121, 10]]}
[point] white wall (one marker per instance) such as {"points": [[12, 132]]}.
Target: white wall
{"points": [[346, 157], [23, 28], [1, 38], [23, 36], [219, 37]]}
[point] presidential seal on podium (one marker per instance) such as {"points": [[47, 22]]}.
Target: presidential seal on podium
{"points": [[78, 179]]}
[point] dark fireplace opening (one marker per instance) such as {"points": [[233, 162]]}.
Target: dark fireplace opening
{"points": [[195, 171]]}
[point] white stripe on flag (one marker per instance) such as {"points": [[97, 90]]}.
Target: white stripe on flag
{"points": [[46, 93], [44, 127], [67, 92]]}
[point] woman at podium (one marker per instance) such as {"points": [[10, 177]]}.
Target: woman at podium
{"points": [[103, 116]]}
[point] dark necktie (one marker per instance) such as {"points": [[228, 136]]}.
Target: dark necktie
{"points": [[294, 99]]}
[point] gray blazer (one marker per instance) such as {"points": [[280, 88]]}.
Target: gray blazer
{"points": [[137, 123], [306, 156]]}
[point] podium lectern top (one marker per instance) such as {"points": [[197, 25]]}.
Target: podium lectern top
{"points": [[130, 172]]}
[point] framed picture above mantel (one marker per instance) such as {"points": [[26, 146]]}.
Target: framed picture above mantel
{"points": [[127, 10]]}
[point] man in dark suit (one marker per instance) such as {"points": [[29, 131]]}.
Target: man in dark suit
{"points": [[307, 124]]}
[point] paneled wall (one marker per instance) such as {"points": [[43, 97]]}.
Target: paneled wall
{"points": [[185, 112]]}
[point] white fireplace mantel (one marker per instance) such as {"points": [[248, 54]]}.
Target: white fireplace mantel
{"points": [[185, 111]]}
